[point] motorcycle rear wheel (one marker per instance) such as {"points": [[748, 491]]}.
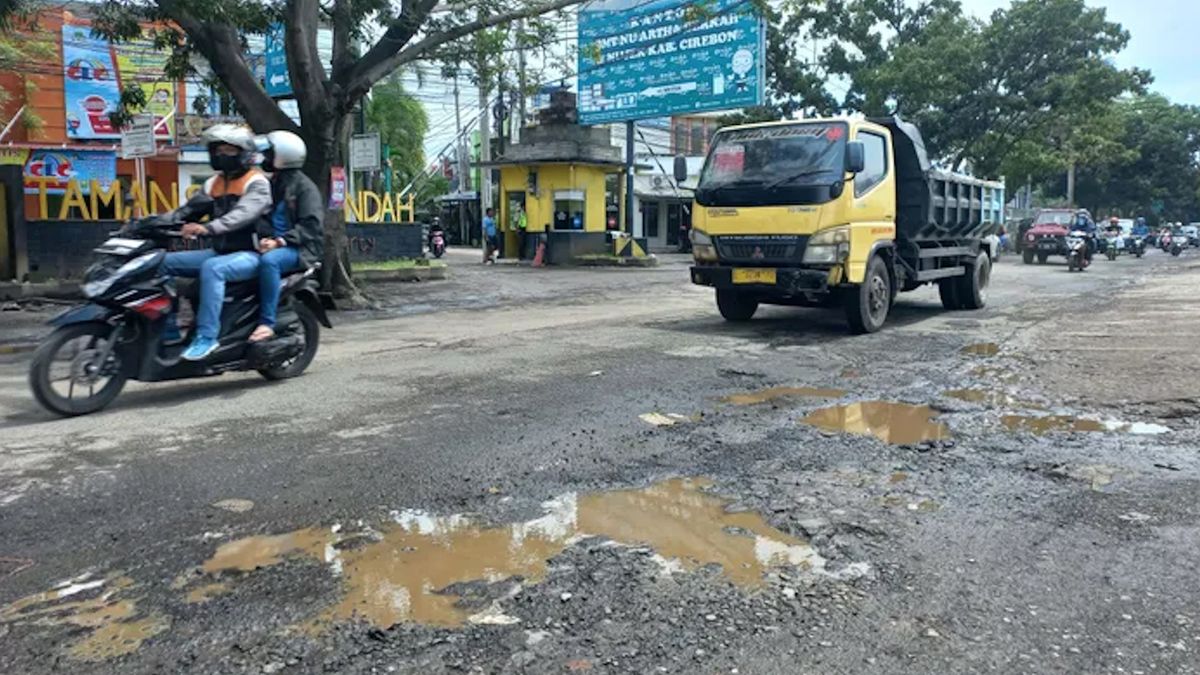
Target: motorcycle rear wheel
{"points": [[87, 338], [312, 339]]}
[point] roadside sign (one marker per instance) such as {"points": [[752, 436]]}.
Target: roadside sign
{"points": [[137, 139], [364, 152], [278, 79], [337, 187], [641, 59]]}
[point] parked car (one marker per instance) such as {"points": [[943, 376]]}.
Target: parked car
{"points": [[1047, 235]]}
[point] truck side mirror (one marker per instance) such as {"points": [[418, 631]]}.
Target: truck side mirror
{"points": [[856, 157], [681, 169]]}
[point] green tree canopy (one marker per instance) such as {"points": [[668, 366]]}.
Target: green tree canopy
{"points": [[401, 122]]}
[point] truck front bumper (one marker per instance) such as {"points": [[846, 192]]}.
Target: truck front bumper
{"points": [[788, 281]]}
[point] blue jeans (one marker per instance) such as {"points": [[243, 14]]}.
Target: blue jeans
{"points": [[272, 265], [213, 270]]}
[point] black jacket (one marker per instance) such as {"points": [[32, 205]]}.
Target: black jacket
{"points": [[305, 213]]}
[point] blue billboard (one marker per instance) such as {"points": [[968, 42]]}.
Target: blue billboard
{"points": [[278, 79], [655, 58]]}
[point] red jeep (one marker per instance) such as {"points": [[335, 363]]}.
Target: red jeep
{"points": [[1047, 235]]}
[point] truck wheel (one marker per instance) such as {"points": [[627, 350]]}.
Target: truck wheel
{"points": [[1027, 256], [736, 307], [867, 305], [948, 292], [972, 288]]}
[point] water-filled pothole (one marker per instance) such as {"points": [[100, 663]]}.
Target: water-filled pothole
{"points": [[402, 574], [985, 349], [898, 423]]}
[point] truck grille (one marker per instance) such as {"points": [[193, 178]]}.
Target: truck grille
{"points": [[750, 250]]}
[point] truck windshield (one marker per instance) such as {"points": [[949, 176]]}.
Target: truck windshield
{"points": [[775, 165]]}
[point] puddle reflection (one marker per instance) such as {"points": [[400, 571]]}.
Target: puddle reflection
{"points": [[898, 423]]}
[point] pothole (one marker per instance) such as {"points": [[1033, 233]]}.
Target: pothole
{"points": [[898, 423]]}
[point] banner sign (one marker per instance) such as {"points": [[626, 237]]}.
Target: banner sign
{"points": [[90, 86], [337, 187], [640, 59], [278, 78], [94, 74], [54, 169], [139, 62]]}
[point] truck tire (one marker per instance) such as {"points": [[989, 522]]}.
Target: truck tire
{"points": [[972, 288], [867, 304], [1027, 256], [948, 292], [735, 306]]}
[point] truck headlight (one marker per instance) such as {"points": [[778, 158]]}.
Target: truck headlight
{"points": [[702, 246], [828, 246]]}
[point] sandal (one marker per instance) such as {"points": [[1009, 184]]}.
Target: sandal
{"points": [[262, 334]]}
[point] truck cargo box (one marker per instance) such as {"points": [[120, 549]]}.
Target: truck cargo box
{"points": [[935, 205]]}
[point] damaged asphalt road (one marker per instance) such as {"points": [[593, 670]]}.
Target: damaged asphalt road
{"points": [[618, 481]]}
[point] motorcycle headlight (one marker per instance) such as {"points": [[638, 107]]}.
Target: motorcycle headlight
{"points": [[702, 246], [828, 246]]}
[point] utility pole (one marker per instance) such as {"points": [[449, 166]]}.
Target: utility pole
{"points": [[485, 153], [464, 167]]}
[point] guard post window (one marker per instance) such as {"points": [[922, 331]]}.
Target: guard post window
{"points": [[875, 166]]}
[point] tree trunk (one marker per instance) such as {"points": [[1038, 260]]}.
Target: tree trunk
{"points": [[328, 142]]}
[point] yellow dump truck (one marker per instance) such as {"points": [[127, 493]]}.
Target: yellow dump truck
{"points": [[836, 211]]}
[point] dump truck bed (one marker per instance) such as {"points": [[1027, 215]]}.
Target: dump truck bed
{"points": [[935, 205]]}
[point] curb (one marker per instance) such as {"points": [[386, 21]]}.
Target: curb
{"points": [[614, 262], [410, 274]]}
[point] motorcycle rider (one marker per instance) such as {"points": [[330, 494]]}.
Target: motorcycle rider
{"points": [[1084, 223], [294, 237], [234, 199]]}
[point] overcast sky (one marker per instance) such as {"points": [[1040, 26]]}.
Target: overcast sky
{"points": [[1163, 40]]}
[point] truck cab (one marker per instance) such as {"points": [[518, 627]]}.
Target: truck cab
{"points": [[835, 211]]}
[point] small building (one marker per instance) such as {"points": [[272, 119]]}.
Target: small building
{"points": [[561, 175]]}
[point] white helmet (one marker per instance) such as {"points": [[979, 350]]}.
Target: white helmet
{"points": [[284, 150], [230, 134]]}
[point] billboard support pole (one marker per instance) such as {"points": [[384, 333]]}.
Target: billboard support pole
{"points": [[629, 128]]}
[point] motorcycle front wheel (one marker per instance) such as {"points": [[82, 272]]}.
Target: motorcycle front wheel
{"points": [[62, 375]]}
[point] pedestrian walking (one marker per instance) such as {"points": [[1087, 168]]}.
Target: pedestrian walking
{"points": [[490, 237]]}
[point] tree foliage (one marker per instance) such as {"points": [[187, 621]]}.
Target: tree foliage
{"points": [[21, 42], [401, 122], [1037, 74]]}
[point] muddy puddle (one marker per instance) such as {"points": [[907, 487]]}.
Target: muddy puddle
{"points": [[898, 423], [406, 573], [983, 349], [776, 393], [1040, 426], [113, 624]]}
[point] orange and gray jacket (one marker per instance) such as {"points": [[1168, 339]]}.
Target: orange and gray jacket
{"points": [[234, 205]]}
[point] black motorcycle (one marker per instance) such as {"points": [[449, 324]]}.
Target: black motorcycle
{"points": [[118, 334]]}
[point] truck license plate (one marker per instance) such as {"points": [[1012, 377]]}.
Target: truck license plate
{"points": [[753, 276]]}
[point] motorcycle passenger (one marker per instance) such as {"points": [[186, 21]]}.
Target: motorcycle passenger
{"points": [[235, 199], [294, 238]]}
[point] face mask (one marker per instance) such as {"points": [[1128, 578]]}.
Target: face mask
{"points": [[225, 163]]}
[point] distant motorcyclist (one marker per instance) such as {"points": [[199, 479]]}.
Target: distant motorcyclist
{"points": [[1084, 223], [294, 238], [1140, 228], [234, 200]]}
